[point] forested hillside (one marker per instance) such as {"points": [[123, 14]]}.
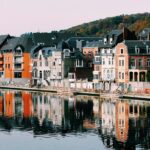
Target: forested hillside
{"points": [[134, 22]]}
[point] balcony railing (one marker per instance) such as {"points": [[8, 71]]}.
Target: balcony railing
{"points": [[17, 54], [18, 61], [138, 67]]}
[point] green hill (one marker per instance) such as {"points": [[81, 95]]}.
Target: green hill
{"points": [[100, 27]]}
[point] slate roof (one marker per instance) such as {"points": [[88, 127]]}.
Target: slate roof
{"points": [[44, 38], [144, 33], [13, 42], [72, 41], [10, 44], [117, 37], [3, 38], [93, 44], [46, 51], [133, 44]]}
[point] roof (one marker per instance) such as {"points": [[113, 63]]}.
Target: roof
{"points": [[93, 44], [116, 35], [46, 39], [23, 41], [10, 44], [144, 32], [46, 51], [133, 44], [3, 38], [72, 42]]}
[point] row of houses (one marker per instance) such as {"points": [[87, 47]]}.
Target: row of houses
{"points": [[39, 59]]}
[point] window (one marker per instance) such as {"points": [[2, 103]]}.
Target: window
{"points": [[97, 59], [148, 62], [119, 75], [40, 63], [122, 62], [97, 68], [18, 75], [109, 61], [96, 76], [40, 57], [103, 61], [46, 62], [148, 50], [119, 62], [59, 73], [122, 75], [18, 66], [35, 64], [79, 63], [8, 66], [132, 62], [40, 74], [140, 63], [121, 51], [137, 50], [112, 61], [66, 53]]}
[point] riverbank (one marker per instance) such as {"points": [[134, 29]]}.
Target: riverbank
{"points": [[29, 89], [62, 91]]}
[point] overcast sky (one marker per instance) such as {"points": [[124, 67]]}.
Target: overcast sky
{"points": [[20, 16]]}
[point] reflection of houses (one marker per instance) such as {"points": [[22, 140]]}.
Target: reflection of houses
{"points": [[56, 112], [108, 117], [41, 106], [132, 61], [122, 120], [27, 104], [9, 107]]}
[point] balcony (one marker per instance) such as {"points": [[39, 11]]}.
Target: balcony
{"points": [[18, 61], [17, 54]]}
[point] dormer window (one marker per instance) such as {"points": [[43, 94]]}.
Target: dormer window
{"points": [[137, 50], [66, 53], [97, 59], [79, 63], [148, 50], [111, 40], [105, 40]]}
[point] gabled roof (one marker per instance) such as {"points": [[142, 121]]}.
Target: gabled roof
{"points": [[10, 44], [3, 38], [23, 41], [133, 44]]}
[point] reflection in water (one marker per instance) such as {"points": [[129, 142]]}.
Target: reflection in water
{"points": [[120, 124]]}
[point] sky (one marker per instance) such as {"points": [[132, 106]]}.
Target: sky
{"points": [[21, 16]]}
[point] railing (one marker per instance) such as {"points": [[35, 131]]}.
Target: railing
{"points": [[17, 54], [18, 61]]}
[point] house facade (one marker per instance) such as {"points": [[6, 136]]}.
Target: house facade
{"points": [[16, 60], [132, 61]]}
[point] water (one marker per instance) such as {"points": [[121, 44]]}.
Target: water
{"points": [[43, 121]]}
